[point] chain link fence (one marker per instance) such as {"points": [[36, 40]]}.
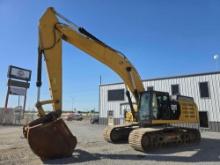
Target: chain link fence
{"points": [[15, 116]]}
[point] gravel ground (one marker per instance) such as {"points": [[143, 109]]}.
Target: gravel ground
{"points": [[92, 149]]}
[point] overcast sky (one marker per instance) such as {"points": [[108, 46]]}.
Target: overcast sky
{"points": [[161, 38]]}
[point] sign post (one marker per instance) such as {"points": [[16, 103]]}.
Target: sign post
{"points": [[18, 83]]}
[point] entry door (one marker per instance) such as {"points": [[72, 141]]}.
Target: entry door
{"points": [[110, 117], [203, 116], [123, 108]]}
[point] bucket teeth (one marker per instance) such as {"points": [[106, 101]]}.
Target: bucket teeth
{"points": [[51, 140]]}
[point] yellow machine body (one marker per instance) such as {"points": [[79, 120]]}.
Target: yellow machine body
{"points": [[188, 114], [50, 126]]}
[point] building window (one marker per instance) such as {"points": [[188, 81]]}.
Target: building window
{"points": [[116, 95], [175, 89], [204, 89], [203, 117], [150, 88]]}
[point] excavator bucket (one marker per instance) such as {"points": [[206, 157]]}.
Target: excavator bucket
{"points": [[51, 140]]}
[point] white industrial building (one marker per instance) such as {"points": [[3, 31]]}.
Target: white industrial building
{"points": [[203, 87]]}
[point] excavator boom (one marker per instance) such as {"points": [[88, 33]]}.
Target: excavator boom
{"points": [[51, 33]]}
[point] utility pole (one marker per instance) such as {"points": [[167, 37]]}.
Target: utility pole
{"points": [[100, 80]]}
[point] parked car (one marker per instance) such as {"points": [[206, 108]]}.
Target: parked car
{"points": [[74, 116], [94, 119]]}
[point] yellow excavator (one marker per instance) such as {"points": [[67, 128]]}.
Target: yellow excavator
{"points": [[153, 119]]}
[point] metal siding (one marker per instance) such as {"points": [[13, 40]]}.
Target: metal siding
{"points": [[100, 101], [214, 95], [218, 95], [101, 94], [196, 91], [188, 86], [177, 81], [212, 104], [154, 85], [171, 82], [215, 99], [145, 85], [160, 85], [103, 102], [157, 85], [166, 87], [184, 87]]}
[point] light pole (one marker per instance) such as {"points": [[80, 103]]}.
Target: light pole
{"points": [[216, 59], [100, 80]]}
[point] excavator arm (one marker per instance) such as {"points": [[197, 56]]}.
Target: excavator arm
{"points": [[48, 136], [51, 34]]}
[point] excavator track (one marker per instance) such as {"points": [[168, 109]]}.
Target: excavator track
{"points": [[117, 134], [146, 139]]}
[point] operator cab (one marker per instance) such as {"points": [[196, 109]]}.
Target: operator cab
{"points": [[155, 105]]}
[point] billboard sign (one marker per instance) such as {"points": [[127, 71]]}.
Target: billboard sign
{"points": [[17, 91], [18, 83], [19, 73]]}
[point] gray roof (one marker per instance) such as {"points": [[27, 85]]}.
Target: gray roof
{"points": [[170, 77]]}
